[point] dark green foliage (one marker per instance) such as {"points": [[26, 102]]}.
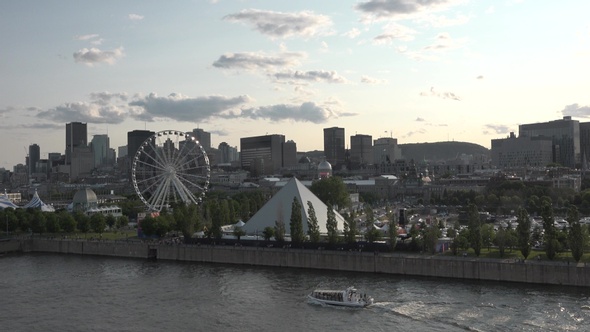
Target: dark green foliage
{"points": [[111, 221], [313, 228], [431, 234], [474, 225], [372, 234], [67, 222], [52, 222], [575, 234], [82, 222], [332, 191], [37, 221], [268, 233], [523, 231], [350, 230], [279, 231], [332, 226], [550, 237], [296, 223], [97, 223]]}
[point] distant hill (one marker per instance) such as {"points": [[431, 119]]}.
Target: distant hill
{"points": [[441, 150]]}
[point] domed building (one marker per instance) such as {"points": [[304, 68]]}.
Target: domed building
{"points": [[324, 170], [86, 201]]}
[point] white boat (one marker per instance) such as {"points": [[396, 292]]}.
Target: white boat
{"points": [[346, 298]]}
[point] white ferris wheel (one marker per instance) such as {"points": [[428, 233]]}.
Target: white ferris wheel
{"points": [[170, 167]]}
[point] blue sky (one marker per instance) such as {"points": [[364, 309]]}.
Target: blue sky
{"points": [[419, 71]]}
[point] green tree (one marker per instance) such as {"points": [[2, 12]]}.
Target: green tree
{"points": [[122, 221], [216, 220], [332, 227], [111, 221], [313, 227], [82, 222], [392, 233], [238, 232], [431, 235], [372, 234], [550, 237], [37, 221], [523, 231], [501, 240], [350, 230], [148, 225], [97, 223], [487, 235], [279, 231], [575, 234], [67, 223], [474, 225], [52, 222], [296, 223], [268, 233], [332, 191]]}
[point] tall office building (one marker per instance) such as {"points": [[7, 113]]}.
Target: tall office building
{"points": [[227, 153], [334, 146], [361, 150], [289, 153], [76, 136], [100, 147], [565, 135], [134, 140], [203, 137], [262, 154], [34, 157], [386, 150], [522, 152]]}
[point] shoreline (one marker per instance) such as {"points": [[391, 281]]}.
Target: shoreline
{"points": [[456, 267]]}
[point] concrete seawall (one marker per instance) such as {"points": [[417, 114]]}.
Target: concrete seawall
{"points": [[536, 272]]}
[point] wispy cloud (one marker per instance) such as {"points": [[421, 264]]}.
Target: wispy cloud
{"points": [[313, 76], [305, 112], [283, 25], [94, 56], [394, 31], [371, 80], [402, 9], [135, 17], [576, 110], [250, 61], [496, 129], [443, 95]]}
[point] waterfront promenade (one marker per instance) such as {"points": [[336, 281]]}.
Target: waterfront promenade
{"points": [[399, 263]]}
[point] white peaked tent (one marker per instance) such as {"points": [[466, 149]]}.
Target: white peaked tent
{"points": [[37, 203], [6, 203], [279, 208]]}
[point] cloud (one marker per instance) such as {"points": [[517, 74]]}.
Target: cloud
{"points": [[250, 61], [106, 98], [135, 17], [443, 95], [313, 76], [353, 33], [41, 125], [402, 9], [182, 108], [576, 111], [442, 42], [495, 129], [415, 132], [480, 77], [306, 112], [86, 37], [394, 31], [85, 112], [94, 55], [283, 25], [419, 119], [371, 80]]}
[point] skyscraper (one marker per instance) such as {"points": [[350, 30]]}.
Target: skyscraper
{"points": [[76, 136], [100, 148], [135, 139], [334, 146], [203, 137], [565, 134], [34, 157], [262, 154], [361, 150]]}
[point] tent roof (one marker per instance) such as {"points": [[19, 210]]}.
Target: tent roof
{"points": [[279, 208], [36, 202], [6, 203]]}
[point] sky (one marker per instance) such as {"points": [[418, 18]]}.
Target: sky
{"points": [[418, 71]]}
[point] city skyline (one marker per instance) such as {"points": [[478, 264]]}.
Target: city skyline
{"points": [[420, 72]]}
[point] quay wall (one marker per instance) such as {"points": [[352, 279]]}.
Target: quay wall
{"points": [[536, 272]]}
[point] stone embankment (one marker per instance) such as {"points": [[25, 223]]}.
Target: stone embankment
{"points": [[536, 272]]}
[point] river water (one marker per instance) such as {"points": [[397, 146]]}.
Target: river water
{"points": [[44, 292]]}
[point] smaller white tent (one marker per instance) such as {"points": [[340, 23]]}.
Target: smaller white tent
{"points": [[37, 203], [279, 208], [6, 203]]}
